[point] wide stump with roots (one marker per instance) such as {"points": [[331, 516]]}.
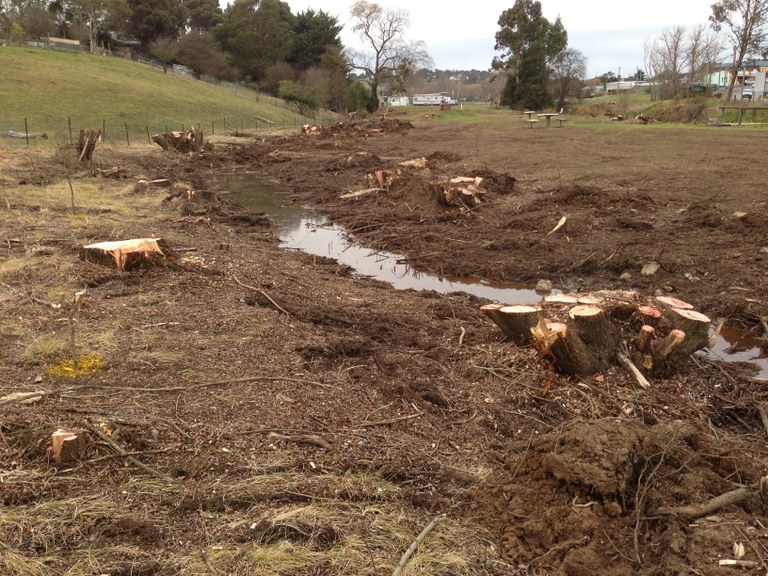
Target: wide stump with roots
{"points": [[583, 334]]}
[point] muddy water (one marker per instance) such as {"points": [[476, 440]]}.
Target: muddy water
{"points": [[300, 228]]}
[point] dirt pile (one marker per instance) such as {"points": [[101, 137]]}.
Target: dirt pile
{"points": [[589, 497]]}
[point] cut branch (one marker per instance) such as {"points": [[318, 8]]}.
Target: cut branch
{"points": [[414, 545]]}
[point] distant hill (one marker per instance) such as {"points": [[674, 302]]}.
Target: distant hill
{"points": [[51, 88]]}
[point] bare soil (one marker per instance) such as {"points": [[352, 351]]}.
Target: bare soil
{"points": [[295, 419]]}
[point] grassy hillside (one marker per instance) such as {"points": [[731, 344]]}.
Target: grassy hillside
{"points": [[47, 87]]}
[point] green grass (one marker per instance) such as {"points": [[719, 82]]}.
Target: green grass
{"points": [[49, 88]]}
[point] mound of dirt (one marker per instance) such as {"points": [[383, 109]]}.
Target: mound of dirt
{"points": [[574, 500]]}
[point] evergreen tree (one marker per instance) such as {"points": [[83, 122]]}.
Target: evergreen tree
{"points": [[314, 33], [528, 42]]}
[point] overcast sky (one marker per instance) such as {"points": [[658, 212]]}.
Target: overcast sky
{"points": [[461, 35]]}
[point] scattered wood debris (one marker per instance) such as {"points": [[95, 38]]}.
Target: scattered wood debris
{"points": [[182, 141], [358, 193], [30, 135], [116, 173], [559, 225], [462, 191], [415, 163]]}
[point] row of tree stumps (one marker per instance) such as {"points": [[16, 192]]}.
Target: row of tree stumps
{"points": [[585, 334]]}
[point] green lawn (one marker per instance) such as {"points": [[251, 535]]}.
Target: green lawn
{"points": [[51, 88]]}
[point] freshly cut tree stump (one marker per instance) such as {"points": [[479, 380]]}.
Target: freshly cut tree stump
{"points": [[462, 191], [650, 316], [126, 254], [645, 338], [189, 141], [570, 353], [581, 334], [68, 445], [595, 328], [696, 328], [674, 302], [515, 321], [561, 299]]}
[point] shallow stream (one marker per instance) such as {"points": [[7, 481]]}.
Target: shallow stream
{"points": [[301, 228]]}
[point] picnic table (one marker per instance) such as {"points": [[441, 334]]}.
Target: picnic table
{"points": [[548, 116], [530, 113]]}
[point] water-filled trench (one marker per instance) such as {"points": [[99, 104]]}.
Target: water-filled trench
{"points": [[302, 228]]}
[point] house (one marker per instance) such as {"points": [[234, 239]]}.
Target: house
{"points": [[398, 101], [750, 80], [621, 87]]}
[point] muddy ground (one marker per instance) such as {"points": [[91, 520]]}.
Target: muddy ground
{"points": [[287, 417]]}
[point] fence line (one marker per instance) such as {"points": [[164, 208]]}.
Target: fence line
{"points": [[28, 130]]}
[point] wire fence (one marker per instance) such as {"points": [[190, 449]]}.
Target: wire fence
{"points": [[29, 130]]}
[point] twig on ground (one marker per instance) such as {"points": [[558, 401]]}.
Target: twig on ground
{"points": [[194, 386], [260, 291], [31, 298], [414, 545], [693, 511], [313, 439], [207, 561], [633, 370], [390, 421], [120, 450], [461, 337], [561, 547], [522, 459]]}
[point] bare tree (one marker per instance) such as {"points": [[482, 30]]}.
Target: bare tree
{"points": [[670, 58], [703, 49], [165, 49], [568, 70], [745, 21], [388, 55]]}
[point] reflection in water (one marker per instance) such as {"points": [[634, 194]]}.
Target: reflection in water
{"points": [[300, 228], [313, 236], [736, 345]]}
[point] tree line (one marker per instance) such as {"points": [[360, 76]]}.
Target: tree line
{"points": [[538, 69], [300, 57]]}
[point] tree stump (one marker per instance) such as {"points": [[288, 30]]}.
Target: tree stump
{"points": [[583, 334], [644, 338], [126, 254], [515, 321], [595, 328], [189, 141], [86, 143], [695, 325], [570, 354], [649, 315], [68, 445]]}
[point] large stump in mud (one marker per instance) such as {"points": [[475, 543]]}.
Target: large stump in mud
{"points": [[585, 334], [180, 141]]}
